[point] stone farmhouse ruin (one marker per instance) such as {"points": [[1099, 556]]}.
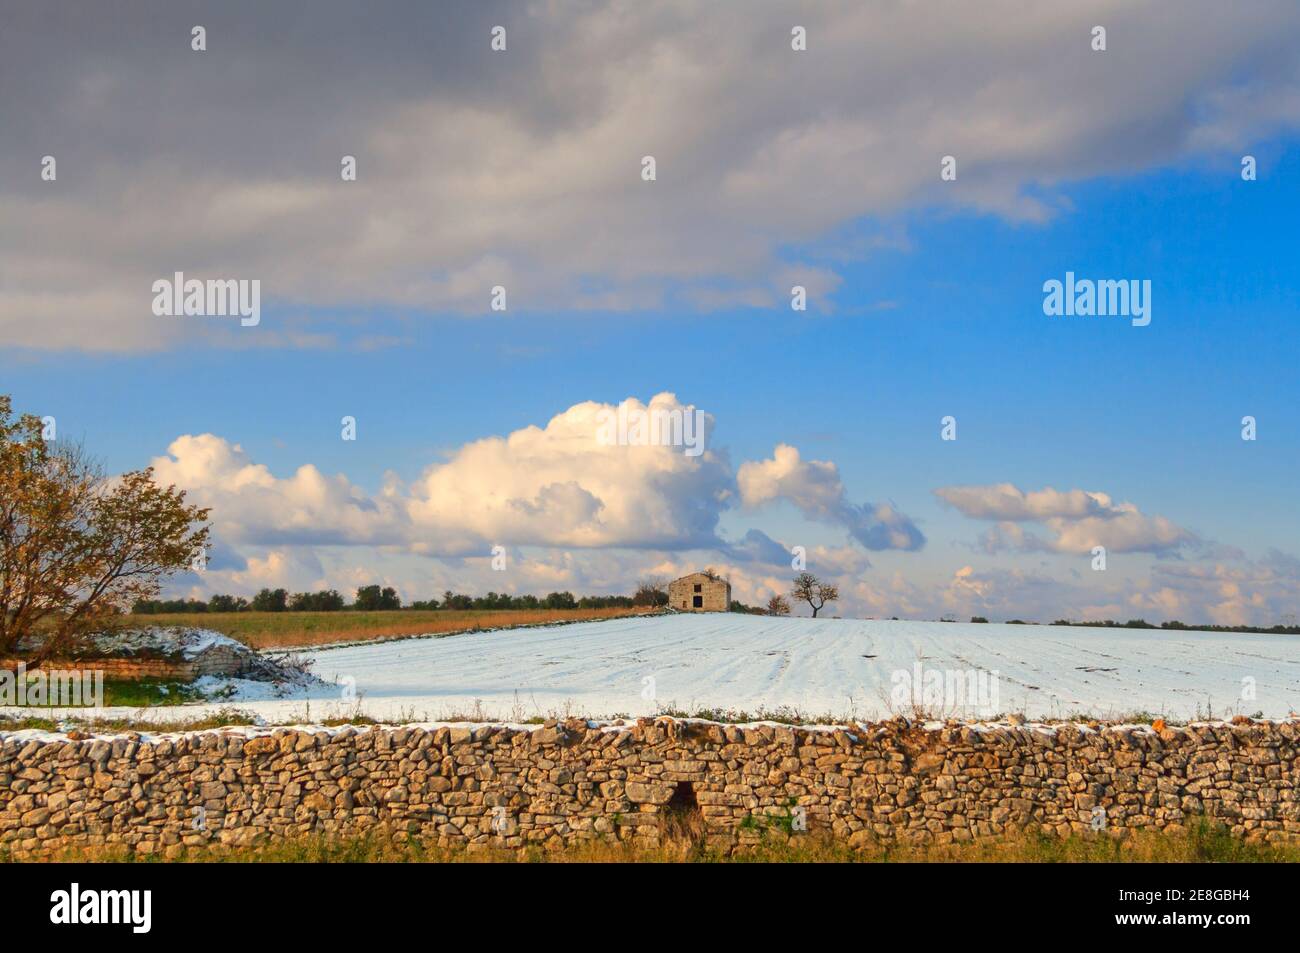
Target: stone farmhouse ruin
{"points": [[700, 592]]}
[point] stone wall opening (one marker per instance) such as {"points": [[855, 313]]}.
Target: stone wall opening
{"points": [[682, 823]]}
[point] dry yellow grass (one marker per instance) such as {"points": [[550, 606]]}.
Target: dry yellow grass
{"points": [[1199, 843], [282, 630]]}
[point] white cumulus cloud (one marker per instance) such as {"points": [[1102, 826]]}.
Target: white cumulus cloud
{"points": [[815, 489], [1077, 520]]}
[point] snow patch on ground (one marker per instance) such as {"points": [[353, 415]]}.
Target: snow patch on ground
{"points": [[164, 641]]}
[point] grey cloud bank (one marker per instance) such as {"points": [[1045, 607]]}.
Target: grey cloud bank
{"points": [[521, 169]]}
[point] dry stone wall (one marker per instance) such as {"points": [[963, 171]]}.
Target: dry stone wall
{"points": [[220, 662], [508, 787]]}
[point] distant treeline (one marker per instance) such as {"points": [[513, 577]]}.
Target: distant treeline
{"points": [[372, 598], [1278, 629], [1174, 625]]}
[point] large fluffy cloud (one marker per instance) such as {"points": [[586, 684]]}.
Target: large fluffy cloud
{"points": [[564, 484], [815, 489], [252, 505], [522, 168], [568, 484], [577, 482], [1078, 520]]}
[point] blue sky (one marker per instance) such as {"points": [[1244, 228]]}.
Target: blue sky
{"points": [[925, 304]]}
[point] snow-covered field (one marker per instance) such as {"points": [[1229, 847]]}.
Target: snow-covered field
{"points": [[825, 667]]}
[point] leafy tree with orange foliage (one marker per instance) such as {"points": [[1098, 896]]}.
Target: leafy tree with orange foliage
{"points": [[77, 547]]}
